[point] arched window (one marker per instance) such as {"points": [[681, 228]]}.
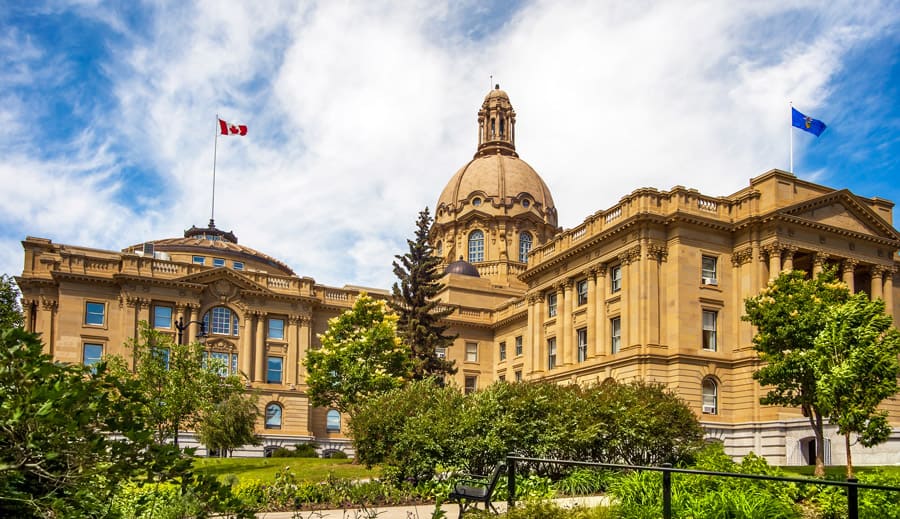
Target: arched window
{"points": [[439, 249], [221, 320], [710, 396], [333, 421], [476, 246], [524, 246], [273, 416]]}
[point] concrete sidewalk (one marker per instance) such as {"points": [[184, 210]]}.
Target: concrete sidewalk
{"points": [[413, 512]]}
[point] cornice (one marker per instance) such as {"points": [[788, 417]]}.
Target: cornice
{"points": [[161, 282]]}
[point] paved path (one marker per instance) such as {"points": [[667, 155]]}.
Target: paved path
{"points": [[411, 512]]}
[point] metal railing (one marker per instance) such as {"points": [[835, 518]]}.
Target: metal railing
{"points": [[852, 485]]}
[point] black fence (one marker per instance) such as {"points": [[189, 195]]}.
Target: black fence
{"points": [[852, 486]]}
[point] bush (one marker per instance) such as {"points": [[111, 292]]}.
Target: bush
{"points": [[163, 500], [305, 450], [831, 502]]}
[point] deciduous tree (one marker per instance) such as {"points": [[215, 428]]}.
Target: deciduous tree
{"points": [[10, 310], [857, 353], [361, 355], [229, 424], [789, 314], [414, 301]]}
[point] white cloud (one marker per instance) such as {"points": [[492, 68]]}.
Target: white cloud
{"points": [[359, 113]]}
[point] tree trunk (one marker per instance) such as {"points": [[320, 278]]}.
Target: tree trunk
{"points": [[815, 419], [849, 456], [176, 433]]}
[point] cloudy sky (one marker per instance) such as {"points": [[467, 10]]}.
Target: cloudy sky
{"points": [[360, 111]]}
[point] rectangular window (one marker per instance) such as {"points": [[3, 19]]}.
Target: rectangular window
{"points": [[94, 313], [615, 278], [440, 352], [518, 346], [519, 376], [218, 262], [551, 304], [221, 362], [276, 329], [502, 378], [163, 355], [273, 373], [582, 344], [238, 265], [162, 317], [471, 384], [551, 353], [615, 336], [91, 353], [581, 289], [709, 329], [199, 260], [471, 352], [708, 273], [502, 350], [234, 363]]}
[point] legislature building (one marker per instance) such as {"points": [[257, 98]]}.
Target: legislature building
{"points": [[651, 288]]}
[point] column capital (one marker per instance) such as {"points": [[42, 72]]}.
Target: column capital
{"points": [[849, 264], [821, 258], [630, 255], [878, 270], [772, 248], [741, 257], [658, 251]]}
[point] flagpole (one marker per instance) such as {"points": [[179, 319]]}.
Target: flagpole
{"points": [[212, 212], [791, 130]]}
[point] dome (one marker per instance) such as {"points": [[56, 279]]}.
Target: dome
{"points": [[209, 240], [462, 267]]}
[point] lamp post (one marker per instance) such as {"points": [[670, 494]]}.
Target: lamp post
{"points": [[181, 327]]}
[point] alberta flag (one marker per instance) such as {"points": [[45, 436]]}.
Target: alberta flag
{"points": [[807, 124]]}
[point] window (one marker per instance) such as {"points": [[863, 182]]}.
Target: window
{"points": [[476, 246], [471, 352], [526, 203], [163, 355], [218, 262], [93, 313], [710, 397], [333, 421], [471, 384], [551, 304], [476, 202], [615, 328], [273, 370], [273, 416], [615, 278], [91, 353], [234, 363], [709, 329], [581, 289], [518, 375], [276, 329], [502, 378], [524, 245], [518, 345], [238, 265], [551, 353], [221, 362], [502, 350], [709, 271], [581, 336], [162, 317], [440, 352], [199, 260], [224, 321], [439, 249]]}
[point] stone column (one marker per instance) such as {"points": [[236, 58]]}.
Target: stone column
{"points": [[591, 312], [293, 358], [652, 325], [528, 340], [259, 374], [774, 252], [246, 354], [46, 316], [191, 314], [537, 344], [305, 338], [889, 292], [27, 314], [564, 332], [877, 282], [847, 270], [600, 310], [819, 263], [144, 310]]}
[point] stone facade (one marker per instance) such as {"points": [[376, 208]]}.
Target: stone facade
{"points": [[651, 288]]}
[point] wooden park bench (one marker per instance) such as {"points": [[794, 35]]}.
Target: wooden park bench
{"points": [[470, 491]]}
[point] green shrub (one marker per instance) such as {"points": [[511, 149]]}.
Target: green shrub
{"points": [[251, 492], [162, 501], [831, 502], [547, 510], [305, 450], [584, 481]]}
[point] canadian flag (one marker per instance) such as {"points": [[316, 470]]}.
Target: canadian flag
{"points": [[232, 129]]}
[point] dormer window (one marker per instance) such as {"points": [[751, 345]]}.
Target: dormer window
{"points": [[526, 203], [476, 202]]}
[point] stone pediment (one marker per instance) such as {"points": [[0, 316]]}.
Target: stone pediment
{"points": [[223, 282], [842, 210]]}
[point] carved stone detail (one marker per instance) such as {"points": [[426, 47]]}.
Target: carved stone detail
{"points": [[741, 257]]}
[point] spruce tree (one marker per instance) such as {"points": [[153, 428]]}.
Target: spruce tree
{"points": [[419, 326]]}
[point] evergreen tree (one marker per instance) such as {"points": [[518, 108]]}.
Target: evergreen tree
{"points": [[10, 311], [414, 301]]}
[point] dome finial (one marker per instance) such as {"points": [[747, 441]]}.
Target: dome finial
{"points": [[496, 124]]}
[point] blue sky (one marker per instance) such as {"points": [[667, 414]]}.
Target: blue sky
{"points": [[360, 112]]}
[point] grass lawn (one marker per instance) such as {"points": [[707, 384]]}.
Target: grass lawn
{"points": [[264, 469], [838, 472]]}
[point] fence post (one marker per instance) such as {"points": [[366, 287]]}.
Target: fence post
{"points": [[510, 482], [852, 499], [667, 491]]}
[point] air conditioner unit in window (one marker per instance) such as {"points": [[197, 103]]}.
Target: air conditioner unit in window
{"points": [[709, 409], [710, 281]]}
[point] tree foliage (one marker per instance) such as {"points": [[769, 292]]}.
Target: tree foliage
{"points": [[789, 314], [361, 356], [857, 369], [230, 423], [414, 301], [180, 382], [10, 310]]}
